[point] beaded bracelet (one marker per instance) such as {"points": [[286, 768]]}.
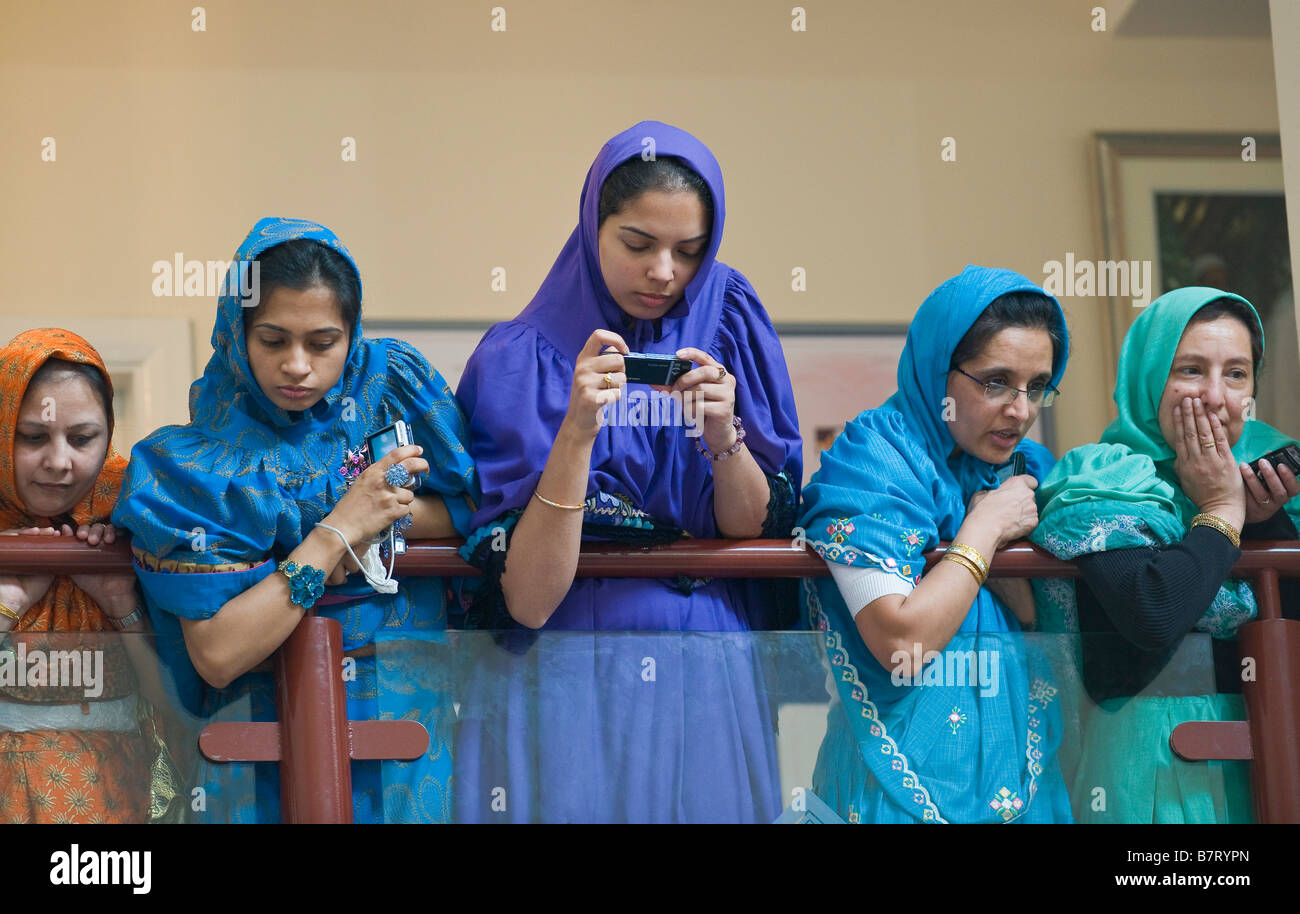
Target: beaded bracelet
{"points": [[306, 584], [740, 439], [1218, 523]]}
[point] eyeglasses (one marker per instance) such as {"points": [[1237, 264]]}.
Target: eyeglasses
{"points": [[1005, 393]]}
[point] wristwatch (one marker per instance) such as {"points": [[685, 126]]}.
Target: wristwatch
{"points": [[129, 619]]}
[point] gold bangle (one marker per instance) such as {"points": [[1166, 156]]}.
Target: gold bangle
{"points": [[967, 564], [973, 554], [9, 613], [546, 501], [1218, 523]]}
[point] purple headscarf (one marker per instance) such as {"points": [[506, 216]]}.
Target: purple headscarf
{"points": [[516, 386]]}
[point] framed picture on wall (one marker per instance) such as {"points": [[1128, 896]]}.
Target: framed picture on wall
{"points": [[1207, 210]]}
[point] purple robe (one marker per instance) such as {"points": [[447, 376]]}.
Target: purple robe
{"points": [[640, 719]]}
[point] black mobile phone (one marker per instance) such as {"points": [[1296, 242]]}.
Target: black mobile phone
{"points": [[652, 368], [1288, 455], [1015, 468]]}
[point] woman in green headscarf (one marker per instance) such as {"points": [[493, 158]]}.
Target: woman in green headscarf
{"points": [[1153, 516]]}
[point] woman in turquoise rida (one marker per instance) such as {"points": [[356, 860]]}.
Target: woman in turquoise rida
{"points": [[942, 712], [1153, 516], [231, 514]]}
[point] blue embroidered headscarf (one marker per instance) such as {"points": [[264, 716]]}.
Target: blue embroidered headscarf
{"points": [[255, 478], [888, 489], [245, 481], [515, 388], [213, 504], [227, 399]]}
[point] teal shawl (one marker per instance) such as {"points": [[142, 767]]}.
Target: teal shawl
{"points": [[1122, 492]]}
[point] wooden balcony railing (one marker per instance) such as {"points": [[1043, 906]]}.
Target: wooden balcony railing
{"points": [[313, 740]]}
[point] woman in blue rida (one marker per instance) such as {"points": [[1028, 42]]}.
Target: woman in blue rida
{"points": [[626, 725], [229, 517], [942, 712]]}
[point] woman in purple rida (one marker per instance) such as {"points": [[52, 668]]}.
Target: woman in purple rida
{"points": [[647, 703]]}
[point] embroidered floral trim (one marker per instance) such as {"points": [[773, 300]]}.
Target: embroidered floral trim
{"points": [[1098, 534], [912, 540], [956, 719], [1233, 605], [1042, 692], [848, 673], [616, 511], [839, 529], [848, 555], [1006, 804]]}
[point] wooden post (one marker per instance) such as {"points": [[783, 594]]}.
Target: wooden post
{"points": [[313, 741]]}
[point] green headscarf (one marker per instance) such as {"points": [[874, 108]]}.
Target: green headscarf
{"points": [[1123, 492]]}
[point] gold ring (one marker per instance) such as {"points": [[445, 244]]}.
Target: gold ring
{"points": [[722, 372], [1207, 446], [609, 379]]}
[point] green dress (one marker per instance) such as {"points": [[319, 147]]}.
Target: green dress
{"points": [[1123, 493]]}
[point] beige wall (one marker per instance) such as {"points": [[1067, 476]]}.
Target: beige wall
{"points": [[472, 145]]}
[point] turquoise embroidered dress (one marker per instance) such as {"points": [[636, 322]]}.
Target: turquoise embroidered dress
{"points": [[212, 507], [974, 738]]}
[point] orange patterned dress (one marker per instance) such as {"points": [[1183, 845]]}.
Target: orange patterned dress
{"points": [[76, 774]]}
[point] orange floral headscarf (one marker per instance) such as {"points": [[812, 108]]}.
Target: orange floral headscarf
{"points": [[64, 607]]}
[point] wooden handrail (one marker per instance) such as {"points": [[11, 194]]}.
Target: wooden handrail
{"points": [[696, 558]]}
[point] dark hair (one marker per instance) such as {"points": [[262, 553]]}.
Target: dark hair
{"points": [[1015, 309], [1230, 307], [53, 368], [304, 263], [636, 176]]}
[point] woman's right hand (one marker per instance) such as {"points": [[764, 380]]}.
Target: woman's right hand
{"points": [[1008, 512], [1206, 469], [21, 592], [597, 380], [370, 506]]}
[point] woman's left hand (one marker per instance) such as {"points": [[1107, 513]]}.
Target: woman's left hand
{"points": [[1264, 499], [113, 593], [709, 397]]}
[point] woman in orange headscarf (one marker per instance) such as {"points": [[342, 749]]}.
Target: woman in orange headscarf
{"points": [[72, 747]]}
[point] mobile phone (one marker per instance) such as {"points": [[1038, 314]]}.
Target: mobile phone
{"points": [[382, 442], [653, 368], [1015, 468], [1288, 455]]}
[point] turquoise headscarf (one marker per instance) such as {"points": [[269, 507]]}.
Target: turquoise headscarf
{"points": [[1123, 492], [886, 491]]}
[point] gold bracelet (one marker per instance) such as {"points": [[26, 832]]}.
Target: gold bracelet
{"points": [[973, 554], [1218, 523], [967, 564], [9, 613], [554, 504]]}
